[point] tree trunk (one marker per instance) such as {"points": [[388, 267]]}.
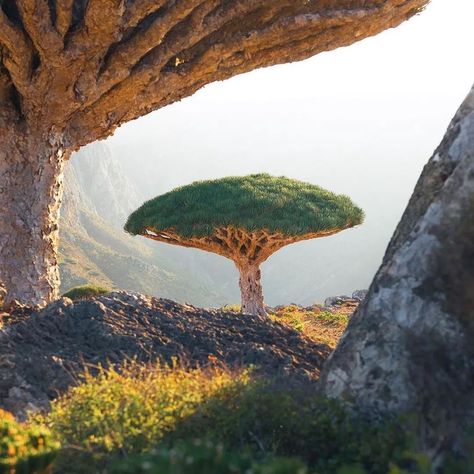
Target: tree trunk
{"points": [[251, 289], [31, 166], [410, 345]]}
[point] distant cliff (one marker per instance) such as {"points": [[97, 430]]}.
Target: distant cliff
{"points": [[95, 249]]}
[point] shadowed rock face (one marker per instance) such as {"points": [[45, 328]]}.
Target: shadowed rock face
{"points": [[40, 355], [410, 345]]}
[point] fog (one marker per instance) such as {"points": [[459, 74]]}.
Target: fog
{"points": [[361, 120]]}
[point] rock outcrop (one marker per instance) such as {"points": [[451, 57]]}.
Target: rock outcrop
{"points": [[410, 345], [44, 353]]}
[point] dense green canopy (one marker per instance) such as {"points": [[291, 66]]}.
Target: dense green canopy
{"points": [[254, 202]]}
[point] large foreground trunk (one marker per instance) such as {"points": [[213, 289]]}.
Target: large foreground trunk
{"points": [[251, 290], [410, 346], [30, 194]]}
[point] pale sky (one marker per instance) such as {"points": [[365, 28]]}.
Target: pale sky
{"points": [[361, 120]]}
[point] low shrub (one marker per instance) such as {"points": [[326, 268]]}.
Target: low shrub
{"points": [[204, 457], [143, 408], [85, 291], [132, 410], [25, 449]]}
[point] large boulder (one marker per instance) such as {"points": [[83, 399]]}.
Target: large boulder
{"points": [[410, 345]]}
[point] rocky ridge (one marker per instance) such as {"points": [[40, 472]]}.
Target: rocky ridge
{"points": [[43, 353]]}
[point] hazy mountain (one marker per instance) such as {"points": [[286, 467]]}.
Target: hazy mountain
{"points": [[95, 249]]}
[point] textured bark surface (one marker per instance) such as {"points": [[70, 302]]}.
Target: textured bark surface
{"points": [[77, 69], [410, 345], [30, 196], [251, 290], [248, 250]]}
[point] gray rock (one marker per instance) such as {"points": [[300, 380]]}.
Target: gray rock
{"points": [[410, 346], [359, 295]]}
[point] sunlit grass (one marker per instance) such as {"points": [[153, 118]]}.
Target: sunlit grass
{"points": [[322, 326]]}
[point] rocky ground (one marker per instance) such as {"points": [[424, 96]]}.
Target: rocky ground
{"points": [[42, 353]]}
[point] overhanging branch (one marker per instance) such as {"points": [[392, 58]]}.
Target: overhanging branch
{"points": [[222, 45]]}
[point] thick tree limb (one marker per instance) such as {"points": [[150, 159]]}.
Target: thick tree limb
{"points": [[17, 53], [36, 18], [103, 27], [140, 9], [221, 45], [63, 16], [128, 54]]}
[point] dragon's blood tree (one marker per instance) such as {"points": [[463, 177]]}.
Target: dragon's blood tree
{"points": [[72, 71], [245, 219]]}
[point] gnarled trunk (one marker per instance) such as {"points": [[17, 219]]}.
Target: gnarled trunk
{"points": [[410, 346], [251, 289], [31, 166]]}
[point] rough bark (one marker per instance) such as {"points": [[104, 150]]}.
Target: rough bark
{"points": [[251, 290], [30, 196], [79, 69], [410, 346]]}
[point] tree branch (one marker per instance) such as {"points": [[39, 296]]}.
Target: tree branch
{"points": [[63, 16], [103, 26], [17, 53], [140, 9], [128, 54], [5, 85], [224, 45], [36, 18]]}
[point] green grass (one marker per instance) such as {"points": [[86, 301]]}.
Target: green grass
{"points": [[252, 202], [85, 291], [171, 420]]}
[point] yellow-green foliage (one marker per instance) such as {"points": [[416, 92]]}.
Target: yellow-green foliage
{"points": [[322, 326], [85, 291], [133, 410], [148, 407], [205, 457], [24, 449], [231, 308]]}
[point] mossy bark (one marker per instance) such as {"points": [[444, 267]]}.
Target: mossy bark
{"points": [[410, 345], [251, 289]]}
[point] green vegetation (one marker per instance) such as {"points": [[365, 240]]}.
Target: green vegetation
{"points": [[133, 410], [24, 449], [205, 457], [322, 326], [85, 291], [166, 420], [252, 202]]}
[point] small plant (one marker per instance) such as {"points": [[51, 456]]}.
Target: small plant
{"points": [[25, 449], [245, 219], [85, 292]]}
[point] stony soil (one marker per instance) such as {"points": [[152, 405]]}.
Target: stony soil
{"points": [[43, 353]]}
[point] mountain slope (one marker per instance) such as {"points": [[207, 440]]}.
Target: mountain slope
{"points": [[95, 249]]}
